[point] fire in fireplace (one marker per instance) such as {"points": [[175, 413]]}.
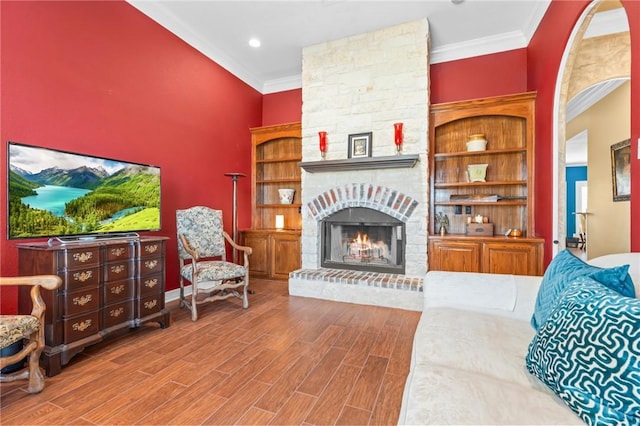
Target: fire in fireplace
{"points": [[363, 239]]}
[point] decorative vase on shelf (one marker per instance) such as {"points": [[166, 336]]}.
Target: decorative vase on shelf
{"points": [[443, 230], [286, 195]]}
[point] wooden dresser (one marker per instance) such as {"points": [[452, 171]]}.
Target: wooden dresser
{"points": [[108, 286]]}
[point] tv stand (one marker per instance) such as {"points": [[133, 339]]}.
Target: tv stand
{"points": [[109, 287], [75, 239]]}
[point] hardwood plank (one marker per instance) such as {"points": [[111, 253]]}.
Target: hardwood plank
{"points": [[385, 341], [329, 405], [353, 416], [199, 410], [167, 411], [365, 391], [359, 352], [256, 416], [322, 373], [249, 370], [149, 401], [295, 410], [280, 392], [237, 404], [387, 408]]}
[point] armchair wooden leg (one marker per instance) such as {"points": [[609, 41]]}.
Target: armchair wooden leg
{"points": [[36, 378]]}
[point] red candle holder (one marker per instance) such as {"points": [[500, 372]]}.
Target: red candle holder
{"points": [[322, 136], [397, 139]]}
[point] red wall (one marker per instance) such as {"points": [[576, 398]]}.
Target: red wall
{"points": [[101, 78], [282, 107], [479, 77]]}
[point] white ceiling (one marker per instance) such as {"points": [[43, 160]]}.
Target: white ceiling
{"points": [[221, 29]]}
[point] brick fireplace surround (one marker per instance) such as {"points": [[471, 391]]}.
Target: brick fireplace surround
{"points": [[365, 83]]}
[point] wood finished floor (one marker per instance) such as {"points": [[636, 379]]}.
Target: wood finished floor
{"points": [[285, 360]]}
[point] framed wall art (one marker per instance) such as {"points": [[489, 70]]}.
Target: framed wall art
{"points": [[621, 170], [360, 145]]}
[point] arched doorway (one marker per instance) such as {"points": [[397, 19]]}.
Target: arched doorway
{"points": [[586, 71]]}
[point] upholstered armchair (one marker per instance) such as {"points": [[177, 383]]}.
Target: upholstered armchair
{"points": [[202, 255], [26, 328]]}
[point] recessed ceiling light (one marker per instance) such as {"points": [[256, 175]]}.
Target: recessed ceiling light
{"points": [[254, 42]]}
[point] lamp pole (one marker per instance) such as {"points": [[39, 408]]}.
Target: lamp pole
{"points": [[234, 178]]}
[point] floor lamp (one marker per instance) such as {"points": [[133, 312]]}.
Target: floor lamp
{"points": [[234, 178]]}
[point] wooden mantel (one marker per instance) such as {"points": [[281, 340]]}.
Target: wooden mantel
{"points": [[365, 163]]}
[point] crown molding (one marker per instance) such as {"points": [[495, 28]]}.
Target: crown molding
{"points": [[609, 22], [282, 84]]}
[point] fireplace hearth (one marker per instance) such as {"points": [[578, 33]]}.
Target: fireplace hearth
{"points": [[363, 239]]}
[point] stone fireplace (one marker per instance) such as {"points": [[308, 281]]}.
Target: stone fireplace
{"points": [[366, 83]]}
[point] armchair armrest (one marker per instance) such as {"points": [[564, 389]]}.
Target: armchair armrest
{"points": [[48, 282], [247, 250]]}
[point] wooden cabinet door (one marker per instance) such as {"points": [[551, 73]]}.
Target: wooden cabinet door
{"points": [[513, 258], [454, 256], [285, 255], [258, 264]]}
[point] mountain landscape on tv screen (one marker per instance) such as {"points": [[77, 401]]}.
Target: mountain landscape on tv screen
{"points": [[83, 200]]}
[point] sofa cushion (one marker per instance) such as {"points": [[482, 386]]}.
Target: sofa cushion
{"points": [[588, 352], [562, 270], [470, 290], [441, 395], [478, 342]]}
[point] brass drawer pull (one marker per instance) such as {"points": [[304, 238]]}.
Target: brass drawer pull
{"points": [[81, 326], [151, 283], [83, 257], [82, 300], [117, 289], [83, 276], [151, 304]]}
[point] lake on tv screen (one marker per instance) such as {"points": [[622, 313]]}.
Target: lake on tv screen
{"points": [[53, 198]]}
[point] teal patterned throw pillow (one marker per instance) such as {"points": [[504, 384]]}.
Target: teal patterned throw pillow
{"points": [[588, 353], [562, 270]]}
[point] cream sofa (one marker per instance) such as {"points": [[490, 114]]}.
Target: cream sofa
{"points": [[468, 361]]}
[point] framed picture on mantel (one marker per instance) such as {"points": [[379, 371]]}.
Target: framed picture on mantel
{"points": [[360, 145]]}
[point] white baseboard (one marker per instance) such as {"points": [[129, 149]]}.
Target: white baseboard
{"points": [[173, 295]]}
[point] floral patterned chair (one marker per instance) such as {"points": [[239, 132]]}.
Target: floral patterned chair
{"points": [[28, 330], [201, 249]]}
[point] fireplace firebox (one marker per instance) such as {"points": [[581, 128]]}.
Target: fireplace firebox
{"points": [[363, 239]]}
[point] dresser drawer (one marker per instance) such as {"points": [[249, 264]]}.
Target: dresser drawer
{"points": [[117, 291], [82, 326], [152, 265], [79, 258], [115, 271], [84, 300], [117, 313], [151, 284], [150, 305], [118, 252], [151, 248], [88, 277]]}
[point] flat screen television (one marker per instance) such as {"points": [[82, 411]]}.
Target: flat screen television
{"points": [[53, 193]]}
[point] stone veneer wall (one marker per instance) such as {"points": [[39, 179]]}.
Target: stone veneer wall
{"points": [[359, 84]]}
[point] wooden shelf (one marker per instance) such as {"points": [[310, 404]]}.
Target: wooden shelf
{"points": [[368, 163], [279, 160], [279, 206], [482, 203], [286, 180], [476, 153], [472, 184]]}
